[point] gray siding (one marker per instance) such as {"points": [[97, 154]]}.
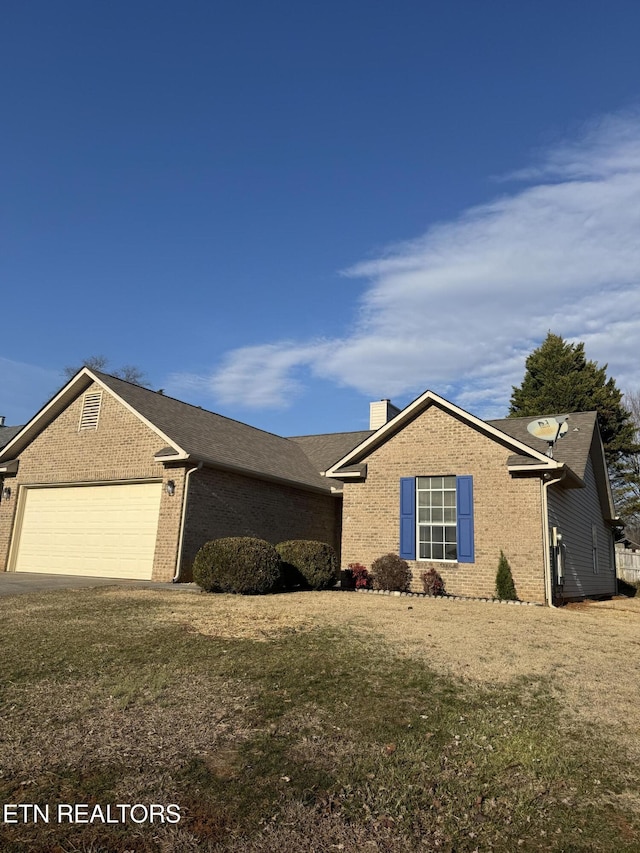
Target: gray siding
{"points": [[573, 512]]}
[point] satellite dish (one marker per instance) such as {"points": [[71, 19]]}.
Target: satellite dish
{"points": [[549, 430], [544, 428]]}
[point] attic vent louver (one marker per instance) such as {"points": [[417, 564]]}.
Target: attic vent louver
{"points": [[90, 410]]}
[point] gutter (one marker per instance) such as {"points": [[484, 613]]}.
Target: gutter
{"points": [[257, 475], [548, 580], [176, 577]]}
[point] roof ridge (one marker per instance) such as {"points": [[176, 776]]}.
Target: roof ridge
{"points": [[339, 432], [533, 417], [190, 405]]}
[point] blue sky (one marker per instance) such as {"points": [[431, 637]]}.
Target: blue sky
{"points": [[280, 211]]}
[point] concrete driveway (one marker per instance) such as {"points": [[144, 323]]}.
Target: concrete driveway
{"points": [[13, 583]]}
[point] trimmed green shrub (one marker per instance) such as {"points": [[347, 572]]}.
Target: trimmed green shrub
{"points": [[391, 572], [307, 563], [505, 587], [432, 582], [238, 564]]}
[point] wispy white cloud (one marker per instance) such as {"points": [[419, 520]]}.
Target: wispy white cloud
{"points": [[276, 365], [591, 155], [458, 309]]}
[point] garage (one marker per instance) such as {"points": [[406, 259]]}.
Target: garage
{"points": [[98, 530]]}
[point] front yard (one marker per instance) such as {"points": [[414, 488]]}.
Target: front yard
{"points": [[318, 722]]}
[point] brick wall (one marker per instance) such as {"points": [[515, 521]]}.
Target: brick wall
{"points": [[222, 503], [121, 448], [166, 553], [507, 511]]}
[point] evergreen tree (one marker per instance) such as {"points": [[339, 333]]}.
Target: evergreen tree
{"points": [[626, 491], [505, 587], [559, 379]]}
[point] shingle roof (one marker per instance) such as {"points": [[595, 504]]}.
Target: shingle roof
{"points": [[572, 449], [7, 433], [324, 450], [220, 441]]}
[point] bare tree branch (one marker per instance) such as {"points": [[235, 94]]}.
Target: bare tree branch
{"points": [[128, 372]]}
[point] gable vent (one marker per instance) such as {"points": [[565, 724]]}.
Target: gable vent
{"points": [[90, 410]]}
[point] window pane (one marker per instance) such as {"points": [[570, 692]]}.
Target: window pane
{"points": [[449, 498], [436, 498], [424, 498], [450, 515], [436, 482], [437, 534], [451, 552], [424, 515], [449, 482], [425, 534], [438, 552], [436, 514], [423, 482], [449, 534]]}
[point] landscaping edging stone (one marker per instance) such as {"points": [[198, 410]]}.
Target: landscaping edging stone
{"points": [[440, 597]]}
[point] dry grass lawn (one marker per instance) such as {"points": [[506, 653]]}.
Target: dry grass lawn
{"points": [[589, 650], [322, 721]]}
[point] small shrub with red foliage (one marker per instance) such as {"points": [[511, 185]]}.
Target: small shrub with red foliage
{"points": [[360, 575], [432, 582], [391, 572]]}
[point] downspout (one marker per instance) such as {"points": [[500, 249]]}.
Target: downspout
{"points": [[176, 577], [546, 544]]}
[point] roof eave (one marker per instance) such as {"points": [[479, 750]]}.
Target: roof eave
{"points": [[536, 469], [178, 456], [359, 474], [570, 479], [258, 475], [601, 474]]}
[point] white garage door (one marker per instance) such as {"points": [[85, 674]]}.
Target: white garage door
{"points": [[104, 531]]}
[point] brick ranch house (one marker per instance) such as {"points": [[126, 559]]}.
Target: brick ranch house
{"points": [[111, 479]]}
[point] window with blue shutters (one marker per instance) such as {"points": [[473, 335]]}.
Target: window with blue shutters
{"points": [[436, 518]]}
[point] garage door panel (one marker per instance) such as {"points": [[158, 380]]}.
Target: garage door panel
{"points": [[104, 531]]}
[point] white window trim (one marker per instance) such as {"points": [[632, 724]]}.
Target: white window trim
{"points": [[447, 560]]}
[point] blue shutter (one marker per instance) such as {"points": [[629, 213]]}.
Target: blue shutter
{"points": [[408, 518], [464, 501]]}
